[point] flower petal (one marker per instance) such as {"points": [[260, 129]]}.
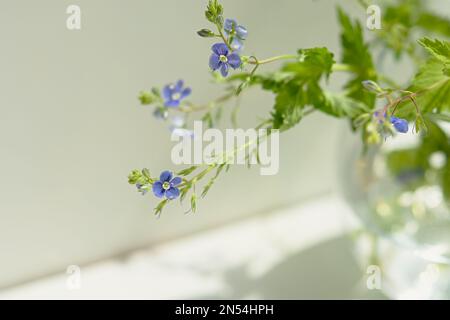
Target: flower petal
{"points": [[167, 91], [234, 60], [241, 32], [165, 176], [172, 193], [401, 125], [179, 86], [185, 93], [236, 44], [214, 62], [394, 119], [224, 69], [176, 181], [172, 103], [229, 25], [220, 49], [158, 189]]}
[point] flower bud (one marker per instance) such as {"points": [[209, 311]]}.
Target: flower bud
{"points": [[146, 97], [205, 33], [371, 86]]}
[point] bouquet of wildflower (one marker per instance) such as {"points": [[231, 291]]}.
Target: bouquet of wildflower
{"points": [[375, 106]]}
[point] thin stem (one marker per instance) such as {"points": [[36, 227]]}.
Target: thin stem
{"points": [[342, 67], [192, 107], [269, 60], [223, 38]]}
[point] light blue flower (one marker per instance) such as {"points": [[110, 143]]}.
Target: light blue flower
{"points": [[222, 59], [174, 93], [166, 186], [234, 30]]}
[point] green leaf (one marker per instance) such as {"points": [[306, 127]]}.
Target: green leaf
{"points": [[208, 119], [193, 203], [434, 23], [312, 64], [158, 209], [298, 85], [212, 180], [289, 103], [439, 49], [355, 53], [340, 106], [416, 159], [433, 86], [187, 171]]}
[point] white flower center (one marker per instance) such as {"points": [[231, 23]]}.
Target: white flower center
{"points": [[223, 58], [176, 96], [166, 185]]}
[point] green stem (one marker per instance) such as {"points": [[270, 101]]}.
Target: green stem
{"points": [[269, 60], [336, 66], [342, 67], [192, 107], [223, 38]]}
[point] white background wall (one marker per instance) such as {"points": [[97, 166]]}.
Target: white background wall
{"points": [[71, 127]]}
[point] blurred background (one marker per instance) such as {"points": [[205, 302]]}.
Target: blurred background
{"points": [[72, 129]]}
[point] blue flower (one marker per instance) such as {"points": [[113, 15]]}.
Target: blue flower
{"points": [[142, 188], [174, 93], [401, 125], [222, 59], [234, 30], [166, 186], [377, 115], [236, 45]]}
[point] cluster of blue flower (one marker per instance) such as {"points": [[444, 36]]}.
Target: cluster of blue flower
{"points": [[399, 124], [224, 56]]}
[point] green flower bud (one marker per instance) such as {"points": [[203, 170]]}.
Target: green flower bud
{"points": [[146, 97], [205, 33], [371, 86], [134, 176]]}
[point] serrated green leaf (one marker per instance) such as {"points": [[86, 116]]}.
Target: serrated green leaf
{"points": [[439, 49], [433, 87], [289, 103], [312, 64], [340, 106], [355, 53]]}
